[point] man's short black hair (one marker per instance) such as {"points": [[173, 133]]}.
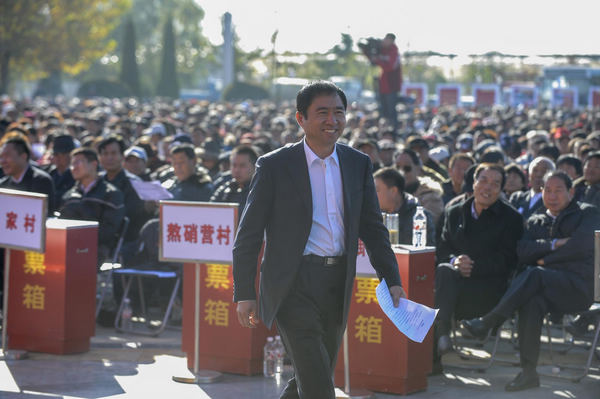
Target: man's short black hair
{"points": [[413, 156], [309, 92], [20, 143], [492, 166], [113, 138], [461, 156], [391, 178], [187, 149], [568, 159], [561, 175], [594, 154], [89, 153], [246, 150], [514, 168]]}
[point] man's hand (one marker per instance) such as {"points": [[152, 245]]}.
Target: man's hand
{"points": [[560, 242], [464, 265], [397, 292], [246, 313], [540, 262]]}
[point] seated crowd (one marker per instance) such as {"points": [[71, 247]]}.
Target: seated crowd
{"points": [[510, 195]]}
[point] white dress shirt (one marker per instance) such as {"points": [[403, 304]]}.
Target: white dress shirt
{"points": [[534, 198], [327, 232]]}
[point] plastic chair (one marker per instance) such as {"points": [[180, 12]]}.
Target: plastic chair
{"points": [[107, 268]]}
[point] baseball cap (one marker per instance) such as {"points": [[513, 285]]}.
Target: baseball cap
{"points": [[137, 152]]}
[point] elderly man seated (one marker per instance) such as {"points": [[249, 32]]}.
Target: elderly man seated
{"points": [[559, 245], [477, 253]]}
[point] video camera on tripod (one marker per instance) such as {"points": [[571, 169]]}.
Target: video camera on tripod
{"points": [[371, 47]]}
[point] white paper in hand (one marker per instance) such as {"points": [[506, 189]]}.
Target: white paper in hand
{"points": [[412, 319]]}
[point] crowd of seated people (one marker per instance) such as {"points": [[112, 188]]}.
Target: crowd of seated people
{"points": [[487, 177]]}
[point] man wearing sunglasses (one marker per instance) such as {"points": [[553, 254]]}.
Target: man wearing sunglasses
{"points": [[428, 192]]}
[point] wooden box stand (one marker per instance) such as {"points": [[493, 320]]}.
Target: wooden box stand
{"points": [[380, 357], [52, 295], [225, 345]]}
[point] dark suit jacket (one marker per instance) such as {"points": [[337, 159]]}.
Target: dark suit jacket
{"points": [[520, 201], [577, 222], [35, 181], [280, 204]]}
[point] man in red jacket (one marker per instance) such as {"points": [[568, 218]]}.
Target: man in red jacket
{"points": [[390, 80]]}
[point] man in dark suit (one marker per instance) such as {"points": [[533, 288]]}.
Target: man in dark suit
{"points": [[530, 201], [476, 254], [312, 200], [558, 246], [15, 154]]}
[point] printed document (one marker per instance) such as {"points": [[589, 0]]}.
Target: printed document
{"points": [[412, 319], [150, 190]]}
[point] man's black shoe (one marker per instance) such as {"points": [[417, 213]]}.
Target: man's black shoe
{"points": [[524, 380], [577, 327], [476, 328]]}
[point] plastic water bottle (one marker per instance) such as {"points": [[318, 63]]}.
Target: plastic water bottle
{"points": [[269, 358], [279, 355], [419, 238], [126, 315]]}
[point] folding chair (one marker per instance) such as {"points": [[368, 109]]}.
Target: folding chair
{"points": [[106, 269], [461, 350], [584, 371], [127, 276]]}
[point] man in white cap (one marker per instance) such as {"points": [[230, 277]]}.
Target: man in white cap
{"points": [[135, 162]]}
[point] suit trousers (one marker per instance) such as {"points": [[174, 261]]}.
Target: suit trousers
{"points": [[310, 322], [534, 293], [463, 297]]}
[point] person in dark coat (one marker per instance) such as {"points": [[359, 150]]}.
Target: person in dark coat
{"points": [[459, 163], [476, 253], [588, 187], [243, 159], [530, 201], [307, 274], [389, 185], [559, 247], [189, 182], [111, 151], [60, 170], [15, 154], [93, 198]]}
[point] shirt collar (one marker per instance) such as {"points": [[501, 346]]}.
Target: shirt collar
{"points": [[20, 179], [89, 186], [311, 156], [533, 194]]}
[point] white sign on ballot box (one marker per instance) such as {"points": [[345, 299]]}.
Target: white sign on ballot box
{"points": [[23, 220], [197, 231]]}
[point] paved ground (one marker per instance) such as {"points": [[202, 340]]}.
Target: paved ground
{"points": [[127, 366]]}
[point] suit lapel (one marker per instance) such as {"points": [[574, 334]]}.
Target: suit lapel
{"points": [[298, 171], [347, 173]]}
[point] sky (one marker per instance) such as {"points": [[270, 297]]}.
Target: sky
{"points": [[463, 27]]}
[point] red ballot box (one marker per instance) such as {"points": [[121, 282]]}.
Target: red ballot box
{"points": [[52, 295], [225, 345], [381, 358]]}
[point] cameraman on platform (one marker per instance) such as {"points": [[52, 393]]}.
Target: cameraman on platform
{"points": [[390, 80]]}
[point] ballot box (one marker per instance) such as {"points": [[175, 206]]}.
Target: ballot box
{"points": [[224, 345], [380, 357], [52, 295]]}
